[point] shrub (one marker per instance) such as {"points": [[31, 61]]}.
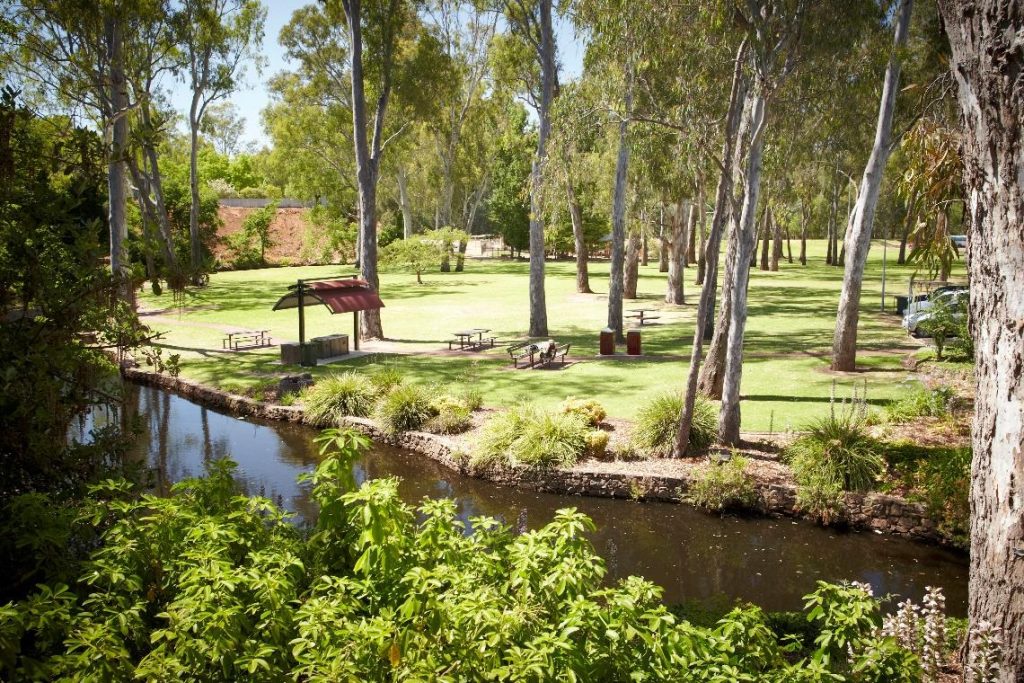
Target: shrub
{"points": [[837, 450], [453, 417], [527, 435], [470, 396], [587, 408], [655, 429], [922, 402], [336, 396], [597, 442], [405, 408], [724, 486], [941, 478], [821, 498], [384, 378]]}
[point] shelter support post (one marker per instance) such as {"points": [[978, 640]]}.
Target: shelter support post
{"points": [[355, 330]]}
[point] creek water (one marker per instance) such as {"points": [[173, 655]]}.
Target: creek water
{"points": [[693, 555]]}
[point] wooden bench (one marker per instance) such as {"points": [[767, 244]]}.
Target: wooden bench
{"points": [[246, 339], [522, 351], [560, 351]]}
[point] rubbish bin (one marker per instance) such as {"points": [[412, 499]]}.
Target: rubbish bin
{"points": [[633, 342], [607, 346]]}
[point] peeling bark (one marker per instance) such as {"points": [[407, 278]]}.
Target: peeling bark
{"points": [[988, 63], [675, 291]]}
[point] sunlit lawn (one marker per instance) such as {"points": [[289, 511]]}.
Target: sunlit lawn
{"points": [[786, 381]]}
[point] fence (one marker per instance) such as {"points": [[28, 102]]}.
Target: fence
{"points": [[246, 203]]}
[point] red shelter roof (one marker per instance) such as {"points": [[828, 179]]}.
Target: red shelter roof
{"points": [[340, 296]]}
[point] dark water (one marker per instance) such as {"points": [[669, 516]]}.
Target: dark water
{"points": [[693, 555]]}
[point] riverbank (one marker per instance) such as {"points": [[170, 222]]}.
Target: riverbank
{"points": [[654, 480]]}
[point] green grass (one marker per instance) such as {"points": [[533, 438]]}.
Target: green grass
{"points": [[786, 382]]}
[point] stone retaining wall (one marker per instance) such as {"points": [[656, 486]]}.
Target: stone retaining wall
{"points": [[874, 511]]}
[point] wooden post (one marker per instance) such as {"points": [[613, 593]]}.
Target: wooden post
{"points": [[355, 330], [302, 323]]}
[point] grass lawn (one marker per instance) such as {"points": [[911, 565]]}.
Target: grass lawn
{"points": [[786, 381]]}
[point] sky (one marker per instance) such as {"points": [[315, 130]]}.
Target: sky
{"points": [[252, 97]]}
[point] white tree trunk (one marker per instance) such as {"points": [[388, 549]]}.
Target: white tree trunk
{"points": [[403, 199], [985, 37], [858, 233], [615, 283], [631, 269], [729, 417], [685, 215], [116, 190]]}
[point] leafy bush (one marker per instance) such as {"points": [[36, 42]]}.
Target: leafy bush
{"points": [[657, 423], [836, 450], [405, 408], [587, 408], [453, 417], [470, 396], [527, 435], [210, 585], [820, 497], [724, 486], [922, 402], [938, 477], [597, 442], [336, 396]]}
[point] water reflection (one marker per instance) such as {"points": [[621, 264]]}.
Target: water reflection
{"points": [[693, 555]]}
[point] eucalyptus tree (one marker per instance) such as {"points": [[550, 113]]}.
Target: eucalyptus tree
{"points": [[858, 234], [987, 61], [528, 62], [349, 53], [784, 35], [74, 54], [224, 126], [218, 39]]}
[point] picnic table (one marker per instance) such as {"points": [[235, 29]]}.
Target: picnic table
{"points": [[641, 314], [237, 339], [465, 339]]}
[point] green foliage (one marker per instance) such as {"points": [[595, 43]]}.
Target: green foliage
{"points": [[453, 417], [527, 435], [836, 450], [327, 237], [210, 585], [508, 207], [946, 319], [723, 486], [654, 430], [922, 402], [405, 408], [249, 245], [336, 396], [587, 408], [939, 477], [385, 377], [469, 395], [415, 255], [597, 442]]}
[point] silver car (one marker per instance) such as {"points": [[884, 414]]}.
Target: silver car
{"points": [[919, 313]]}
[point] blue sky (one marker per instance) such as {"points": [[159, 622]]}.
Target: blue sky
{"points": [[253, 97]]}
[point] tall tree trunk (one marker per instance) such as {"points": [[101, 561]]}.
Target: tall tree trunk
{"points": [[729, 417], [619, 224], [830, 254], [644, 257], [675, 294], [116, 192], [632, 266], [663, 246], [403, 200], [156, 183], [766, 237], [712, 373], [576, 214], [367, 156], [985, 37], [862, 219], [195, 245], [702, 221], [691, 237], [737, 96], [549, 79], [776, 242], [803, 234]]}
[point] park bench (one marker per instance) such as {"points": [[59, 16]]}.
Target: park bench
{"points": [[245, 339], [559, 352], [518, 352]]}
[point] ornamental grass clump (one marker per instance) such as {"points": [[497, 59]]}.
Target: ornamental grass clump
{"points": [[530, 436], [336, 396], [922, 402], [837, 451], [453, 416], [405, 408], [654, 431]]}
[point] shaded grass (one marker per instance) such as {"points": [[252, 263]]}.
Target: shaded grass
{"points": [[789, 334]]}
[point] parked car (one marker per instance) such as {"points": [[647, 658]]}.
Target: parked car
{"points": [[959, 241], [919, 313]]}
